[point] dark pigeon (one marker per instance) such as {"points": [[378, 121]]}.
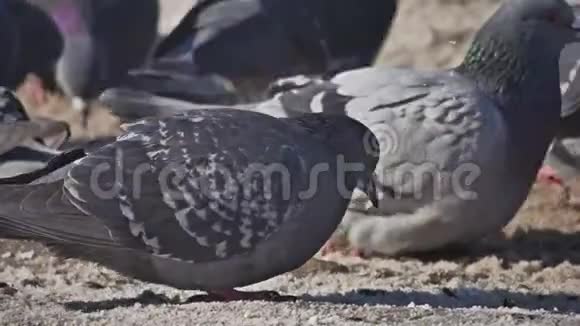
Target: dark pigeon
{"points": [[449, 141], [207, 200], [253, 42], [103, 40], [34, 40]]}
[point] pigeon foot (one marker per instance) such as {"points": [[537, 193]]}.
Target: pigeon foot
{"points": [[331, 247], [328, 248], [550, 176]]}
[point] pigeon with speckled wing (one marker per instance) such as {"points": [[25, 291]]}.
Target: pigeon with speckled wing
{"points": [[450, 142], [26, 145], [209, 200]]}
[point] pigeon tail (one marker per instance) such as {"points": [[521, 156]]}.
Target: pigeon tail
{"points": [[43, 213]]}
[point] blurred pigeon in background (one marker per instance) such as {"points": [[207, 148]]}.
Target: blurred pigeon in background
{"points": [[253, 42], [449, 141], [26, 145], [193, 207], [103, 40], [8, 38], [34, 43]]}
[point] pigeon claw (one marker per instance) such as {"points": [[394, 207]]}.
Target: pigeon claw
{"points": [[332, 247], [328, 248], [234, 295], [550, 176]]}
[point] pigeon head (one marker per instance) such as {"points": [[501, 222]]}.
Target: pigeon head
{"points": [[514, 59], [11, 109], [518, 49], [551, 21], [353, 143]]}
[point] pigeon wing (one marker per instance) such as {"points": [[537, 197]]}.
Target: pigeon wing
{"points": [[428, 124], [186, 191]]}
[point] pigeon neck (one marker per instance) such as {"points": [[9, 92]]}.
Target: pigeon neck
{"points": [[516, 79], [494, 66], [523, 83]]}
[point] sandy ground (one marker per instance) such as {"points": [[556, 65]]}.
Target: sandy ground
{"points": [[528, 274]]}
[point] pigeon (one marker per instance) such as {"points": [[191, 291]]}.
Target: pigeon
{"points": [[207, 200], [26, 145], [449, 141], [562, 162], [253, 42], [103, 40], [27, 22]]}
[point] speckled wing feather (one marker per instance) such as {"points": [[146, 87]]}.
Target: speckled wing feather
{"points": [[186, 192], [425, 122]]}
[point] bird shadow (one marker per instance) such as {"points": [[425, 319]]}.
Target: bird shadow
{"points": [[150, 298], [455, 299], [446, 298], [146, 298], [551, 247]]}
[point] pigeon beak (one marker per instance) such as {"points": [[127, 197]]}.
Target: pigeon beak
{"points": [[368, 185], [371, 190]]}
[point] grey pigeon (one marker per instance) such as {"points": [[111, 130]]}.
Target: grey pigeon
{"points": [[460, 148], [563, 159], [210, 200], [26, 145], [253, 42]]}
